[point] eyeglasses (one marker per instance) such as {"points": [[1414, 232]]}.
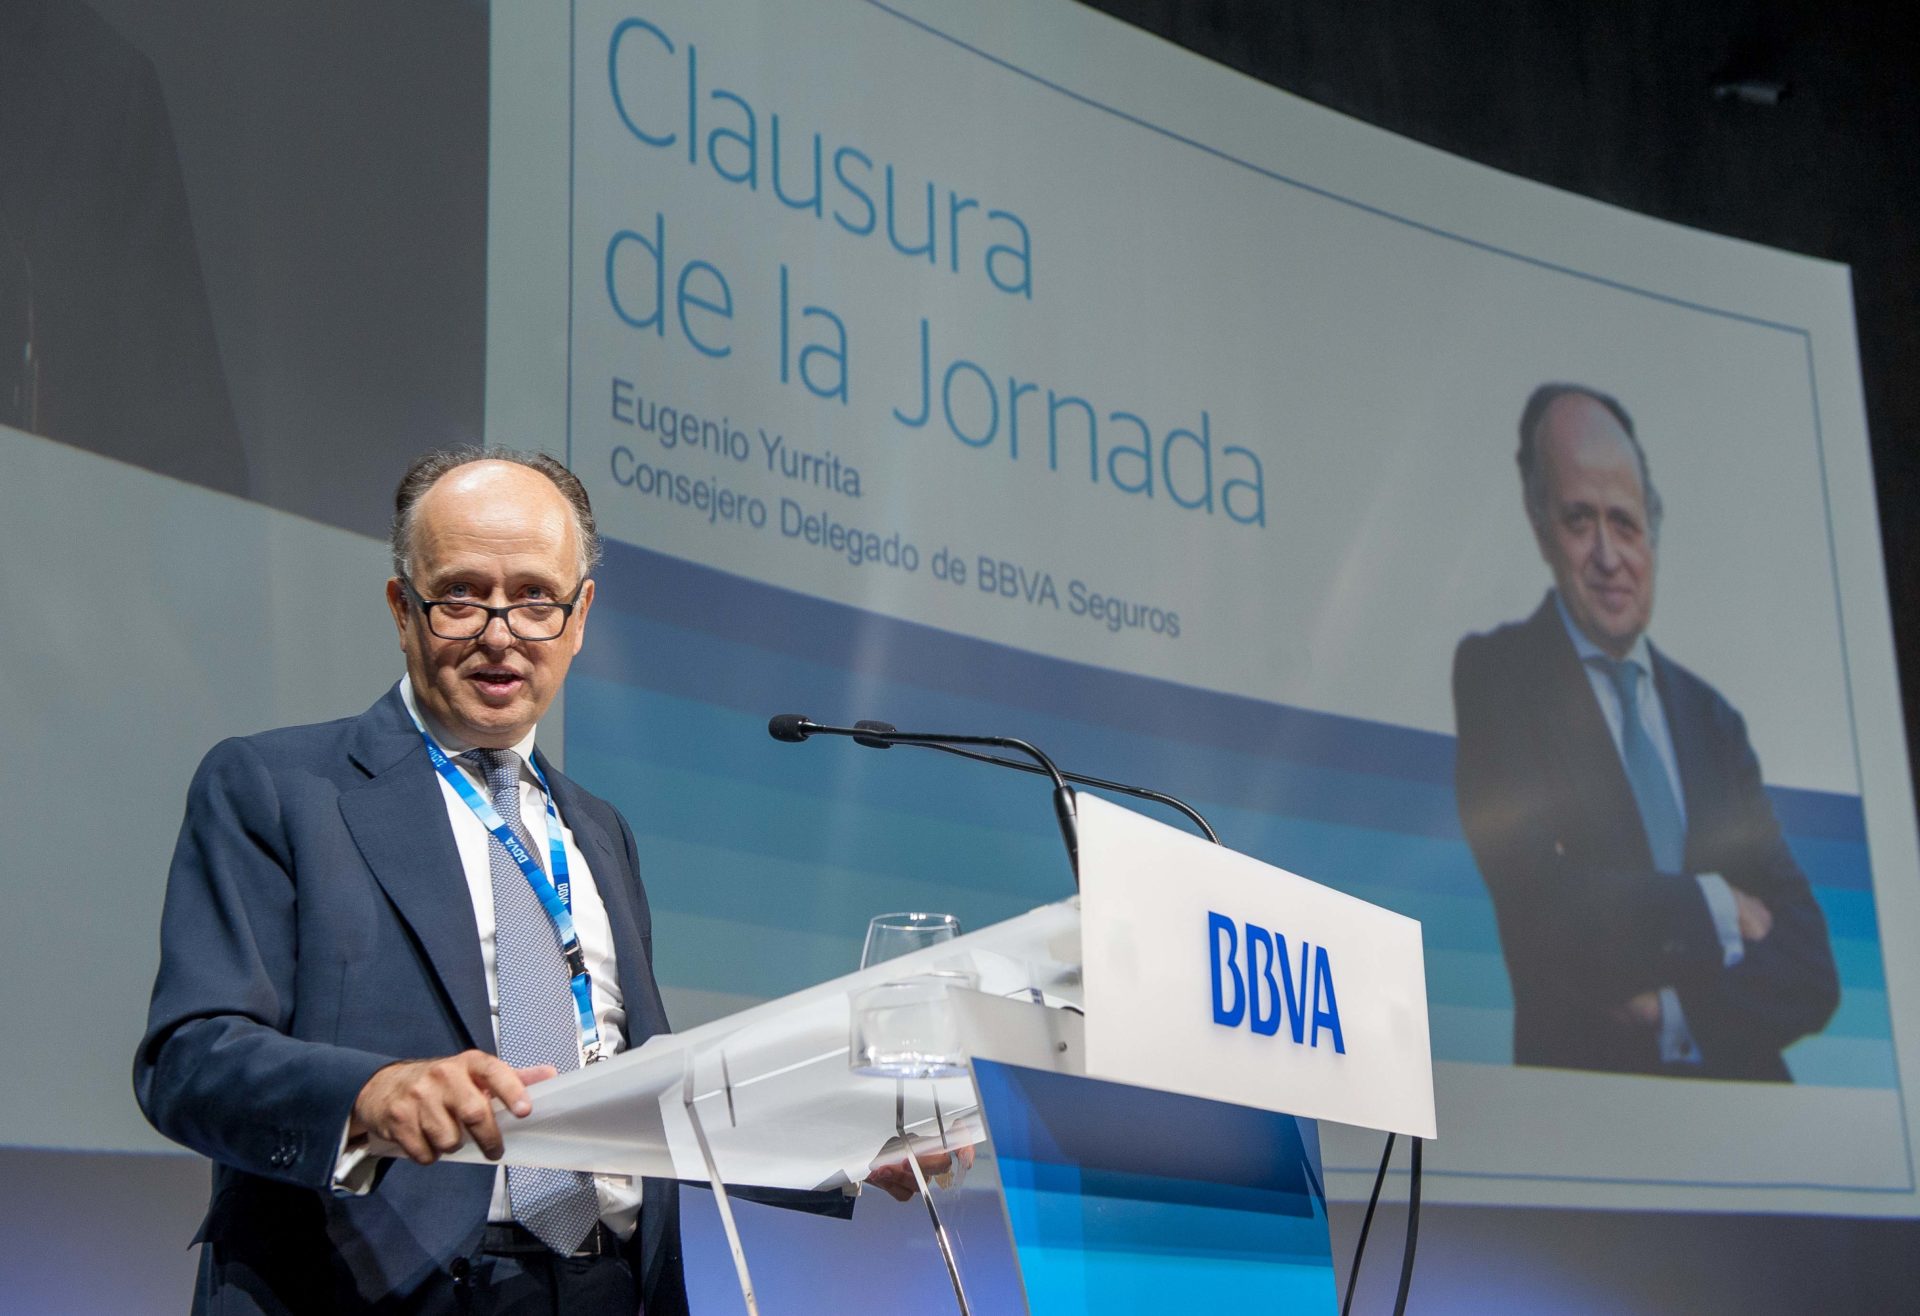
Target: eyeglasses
{"points": [[461, 619]]}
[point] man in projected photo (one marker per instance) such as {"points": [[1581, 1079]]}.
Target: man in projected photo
{"points": [[1652, 917], [351, 949]]}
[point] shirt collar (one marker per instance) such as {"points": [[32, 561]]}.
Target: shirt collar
{"points": [[450, 745], [1641, 654]]}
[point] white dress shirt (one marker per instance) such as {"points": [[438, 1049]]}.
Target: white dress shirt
{"points": [[619, 1196]]}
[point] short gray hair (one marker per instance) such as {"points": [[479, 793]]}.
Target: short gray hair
{"points": [[1533, 476], [426, 470]]}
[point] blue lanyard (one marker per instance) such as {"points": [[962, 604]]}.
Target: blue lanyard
{"points": [[555, 894]]}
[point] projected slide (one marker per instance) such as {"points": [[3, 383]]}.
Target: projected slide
{"points": [[1002, 370]]}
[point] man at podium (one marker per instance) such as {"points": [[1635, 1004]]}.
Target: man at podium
{"points": [[374, 927]]}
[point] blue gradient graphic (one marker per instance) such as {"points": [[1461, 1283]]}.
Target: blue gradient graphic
{"points": [[767, 859]]}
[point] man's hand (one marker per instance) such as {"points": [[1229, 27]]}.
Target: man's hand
{"points": [[895, 1178], [1756, 920], [429, 1107]]}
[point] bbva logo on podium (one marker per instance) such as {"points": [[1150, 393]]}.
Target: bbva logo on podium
{"points": [[1303, 996]]}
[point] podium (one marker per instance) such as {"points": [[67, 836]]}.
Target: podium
{"points": [[1147, 1063]]}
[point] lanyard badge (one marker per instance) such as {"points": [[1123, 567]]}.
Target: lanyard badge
{"points": [[555, 894]]}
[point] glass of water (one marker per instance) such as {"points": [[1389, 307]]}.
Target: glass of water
{"points": [[889, 936], [907, 1029]]}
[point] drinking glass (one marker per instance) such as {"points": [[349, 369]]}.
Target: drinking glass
{"points": [[889, 936], [907, 1029]]}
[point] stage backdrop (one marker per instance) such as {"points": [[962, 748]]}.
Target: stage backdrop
{"points": [[987, 368], [995, 369]]}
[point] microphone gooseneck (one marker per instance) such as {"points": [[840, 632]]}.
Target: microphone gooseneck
{"points": [[792, 728], [877, 729], [875, 734]]}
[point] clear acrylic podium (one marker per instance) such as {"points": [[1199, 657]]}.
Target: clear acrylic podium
{"points": [[1086, 1194]]}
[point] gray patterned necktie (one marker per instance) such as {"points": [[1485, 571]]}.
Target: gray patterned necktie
{"points": [[538, 1021]]}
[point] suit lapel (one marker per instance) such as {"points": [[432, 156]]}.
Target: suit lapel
{"points": [[614, 880], [398, 819]]}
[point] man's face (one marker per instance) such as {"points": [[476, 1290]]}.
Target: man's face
{"points": [[1595, 534], [494, 533]]}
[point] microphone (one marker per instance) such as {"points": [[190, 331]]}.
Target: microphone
{"points": [[876, 730], [792, 728]]}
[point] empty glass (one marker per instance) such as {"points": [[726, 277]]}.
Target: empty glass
{"points": [[889, 936]]}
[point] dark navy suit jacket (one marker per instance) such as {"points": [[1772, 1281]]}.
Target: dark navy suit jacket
{"points": [[318, 927], [1585, 921]]}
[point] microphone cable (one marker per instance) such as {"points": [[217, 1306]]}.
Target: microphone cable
{"points": [[878, 730], [1413, 1232], [1366, 1227]]}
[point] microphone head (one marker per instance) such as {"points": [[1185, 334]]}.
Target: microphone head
{"points": [[874, 742], [789, 727]]}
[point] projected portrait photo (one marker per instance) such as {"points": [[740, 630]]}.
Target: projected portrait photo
{"points": [[1652, 917]]}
